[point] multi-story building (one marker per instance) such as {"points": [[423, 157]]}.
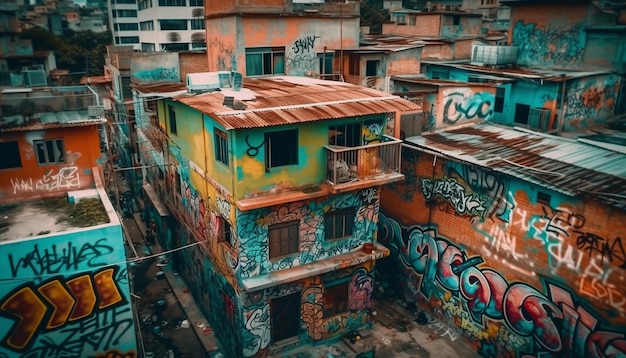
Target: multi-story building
{"points": [[513, 238], [159, 25], [281, 37], [65, 288], [271, 185]]}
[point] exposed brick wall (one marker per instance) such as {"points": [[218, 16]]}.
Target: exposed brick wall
{"points": [[192, 63], [437, 51], [463, 49], [548, 260], [425, 25]]}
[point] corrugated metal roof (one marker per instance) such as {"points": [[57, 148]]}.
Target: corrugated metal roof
{"points": [[49, 120], [564, 165], [285, 99]]}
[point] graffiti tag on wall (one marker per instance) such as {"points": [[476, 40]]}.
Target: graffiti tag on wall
{"points": [[555, 321], [460, 106], [449, 189], [64, 179], [302, 57], [548, 44]]}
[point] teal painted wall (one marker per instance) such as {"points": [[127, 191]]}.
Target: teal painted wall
{"points": [[66, 295]]}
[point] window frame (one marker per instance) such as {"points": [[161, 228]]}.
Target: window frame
{"points": [[332, 291], [47, 143], [371, 68], [225, 233], [292, 240], [340, 217], [498, 105], [287, 141], [272, 60], [221, 146], [171, 111], [12, 148]]}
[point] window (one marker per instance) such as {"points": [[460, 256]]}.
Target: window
{"points": [[281, 148], [456, 20], [125, 13], [173, 24], [49, 151], [354, 65], [498, 106], [199, 45], [147, 47], [338, 224], [172, 117], [225, 232], [182, 46], [543, 198], [127, 39], [336, 299], [147, 25], [477, 79], [172, 3], [345, 135], [265, 61], [221, 146], [440, 74], [132, 26], [144, 4], [197, 24], [284, 239], [196, 2], [326, 63], [10, 157], [371, 68]]}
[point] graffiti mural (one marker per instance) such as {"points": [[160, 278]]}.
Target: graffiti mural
{"points": [[253, 231], [465, 105], [551, 322], [64, 297], [302, 57], [549, 44], [591, 102]]}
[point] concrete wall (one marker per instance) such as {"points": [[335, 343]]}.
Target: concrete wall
{"points": [[513, 271], [591, 101], [155, 67], [67, 295], [302, 38], [549, 34], [31, 180]]}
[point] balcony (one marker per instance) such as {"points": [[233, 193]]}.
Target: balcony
{"points": [[351, 168]]}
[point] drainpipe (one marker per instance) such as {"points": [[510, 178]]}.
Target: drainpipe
{"points": [[561, 119]]}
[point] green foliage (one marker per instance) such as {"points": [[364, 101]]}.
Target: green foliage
{"points": [[87, 212], [79, 52], [373, 15]]}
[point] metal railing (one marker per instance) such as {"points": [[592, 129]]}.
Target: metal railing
{"points": [[345, 164]]}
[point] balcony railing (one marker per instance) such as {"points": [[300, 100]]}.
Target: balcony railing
{"points": [[370, 161]]}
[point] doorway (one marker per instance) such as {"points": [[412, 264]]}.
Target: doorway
{"points": [[285, 317]]}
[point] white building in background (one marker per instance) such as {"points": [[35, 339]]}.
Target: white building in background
{"points": [[158, 25]]}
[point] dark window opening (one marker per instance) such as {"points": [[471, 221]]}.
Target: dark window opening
{"points": [[339, 224], [284, 239], [336, 299], [281, 148], [172, 116], [10, 157]]}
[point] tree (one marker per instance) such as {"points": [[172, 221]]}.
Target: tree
{"points": [[81, 52], [373, 15]]}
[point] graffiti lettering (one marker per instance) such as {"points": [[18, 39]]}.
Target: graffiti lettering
{"points": [[304, 44], [554, 321], [66, 179], [548, 44], [458, 107], [56, 259], [594, 243], [455, 194]]}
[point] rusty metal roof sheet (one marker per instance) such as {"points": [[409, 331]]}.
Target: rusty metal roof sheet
{"points": [[282, 100], [49, 120], [568, 166]]}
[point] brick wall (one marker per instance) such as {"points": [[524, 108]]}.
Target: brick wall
{"points": [[517, 277], [425, 25], [192, 62]]}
